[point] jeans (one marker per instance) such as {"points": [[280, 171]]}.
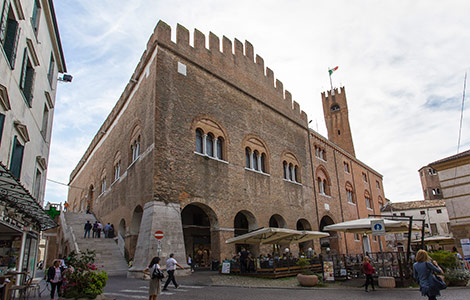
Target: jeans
{"points": [[55, 286], [87, 232], [171, 277]]}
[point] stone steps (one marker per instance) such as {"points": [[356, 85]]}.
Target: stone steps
{"points": [[106, 250]]}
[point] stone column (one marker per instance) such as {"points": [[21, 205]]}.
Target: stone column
{"points": [[165, 217]]}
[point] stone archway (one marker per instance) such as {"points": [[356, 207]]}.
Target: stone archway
{"points": [[277, 221], [303, 224], [331, 242], [200, 235], [90, 196], [245, 222], [134, 229]]}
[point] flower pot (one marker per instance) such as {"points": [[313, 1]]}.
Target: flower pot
{"points": [[307, 280], [458, 283]]}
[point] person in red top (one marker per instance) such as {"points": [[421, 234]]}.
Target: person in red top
{"points": [[368, 270]]}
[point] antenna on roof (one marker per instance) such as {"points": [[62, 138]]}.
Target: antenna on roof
{"points": [[461, 111]]}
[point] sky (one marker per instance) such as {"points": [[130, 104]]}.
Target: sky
{"points": [[402, 64]]}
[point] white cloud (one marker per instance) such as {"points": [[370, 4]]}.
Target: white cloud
{"points": [[402, 63]]}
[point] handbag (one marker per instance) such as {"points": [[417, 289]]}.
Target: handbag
{"points": [[438, 283], [157, 273]]}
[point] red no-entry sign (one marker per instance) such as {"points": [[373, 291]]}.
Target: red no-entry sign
{"points": [[158, 234]]}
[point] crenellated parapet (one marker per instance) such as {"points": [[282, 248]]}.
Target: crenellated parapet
{"points": [[331, 97], [235, 63]]}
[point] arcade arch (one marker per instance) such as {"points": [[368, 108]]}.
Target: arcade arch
{"points": [[200, 237], [332, 241]]}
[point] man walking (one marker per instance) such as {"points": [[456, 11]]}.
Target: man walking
{"points": [[106, 229], [171, 264], [87, 228]]}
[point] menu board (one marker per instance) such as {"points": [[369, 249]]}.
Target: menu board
{"points": [[328, 271]]}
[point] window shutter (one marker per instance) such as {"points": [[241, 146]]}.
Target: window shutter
{"points": [[10, 39], [2, 121], [23, 70], [3, 20], [15, 47], [16, 158], [29, 85]]}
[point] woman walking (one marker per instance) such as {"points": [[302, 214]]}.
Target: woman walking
{"points": [[155, 282], [54, 277], [423, 270], [368, 270]]}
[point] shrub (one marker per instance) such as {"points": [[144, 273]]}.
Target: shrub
{"points": [[83, 279], [454, 276], [446, 259]]}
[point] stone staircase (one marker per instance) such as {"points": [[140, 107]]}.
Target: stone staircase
{"points": [[107, 251]]}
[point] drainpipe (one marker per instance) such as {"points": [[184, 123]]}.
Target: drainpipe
{"points": [[340, 202], [313, 178]]}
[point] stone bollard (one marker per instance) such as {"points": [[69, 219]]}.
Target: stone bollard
{"points": [[386, 282]]}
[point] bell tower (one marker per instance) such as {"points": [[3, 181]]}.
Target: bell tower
{"points": [[335, 110]]}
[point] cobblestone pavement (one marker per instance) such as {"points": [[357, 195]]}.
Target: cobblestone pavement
{"points": [[211, 286]]}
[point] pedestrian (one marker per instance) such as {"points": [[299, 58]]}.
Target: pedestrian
{"points": [[66, 205], [54, 277], [171, 265], [368, 270], [87, 228], [88, 211], [155, 282], [459, 256], [100, 228], [95, 229], [243, 259], [106, 229], [423, 271], [111, 231], [190, 263]]}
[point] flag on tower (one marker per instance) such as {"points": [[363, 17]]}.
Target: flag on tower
{"points": [[332, 70]]}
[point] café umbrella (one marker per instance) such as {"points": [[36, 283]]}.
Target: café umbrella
{"points": [[279, 236]]}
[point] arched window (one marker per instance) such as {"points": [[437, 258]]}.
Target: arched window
{"points": [[290, 166], [263, 162], [210, 145], [368, 200], [210, 139], [334, 107], [381, 203], [257, 156], [247, 157], [350, 193], [321, 186], [220, 143], [255, 160], [135, 149], [323, 181], [284, 167], [199, 143]]}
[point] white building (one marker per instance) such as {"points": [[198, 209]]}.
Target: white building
{"points": [[31, 58], [434, 213], [454, 178]]}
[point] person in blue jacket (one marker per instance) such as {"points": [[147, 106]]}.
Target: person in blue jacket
{"points": [[423, 271]]}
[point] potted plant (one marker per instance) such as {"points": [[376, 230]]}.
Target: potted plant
{"points": [[82, 278], [306, 277]]}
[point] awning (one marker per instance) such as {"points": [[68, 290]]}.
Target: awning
{"points": [[437, 240], [280, 236], [15, 197], [361, 226]]}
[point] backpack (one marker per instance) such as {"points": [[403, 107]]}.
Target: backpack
{"points": [[157, 274]]}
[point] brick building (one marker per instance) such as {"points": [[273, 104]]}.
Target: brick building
{"points": [[205, 144], [430, 183]]}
